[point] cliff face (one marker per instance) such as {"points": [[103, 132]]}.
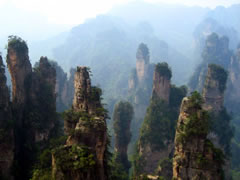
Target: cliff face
{"points": [[195, 156], [220, 132], [161, 82], [42, 98], [20, 69], [33, 104], [216, 51], [143, 71], [140, 89], [213, 91], [123, 114], [6, 128], [155, 144], [142, 62], [86, 128]]}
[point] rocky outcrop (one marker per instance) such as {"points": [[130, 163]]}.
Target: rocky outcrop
{"points": [[86, 128], [140, 89], [143, 71], [33, 104], [220, 132], [122, 116], [213, 91], [156, 141], [142, 62], [195, 156], [42, 98], [20, 69], [216, 51], [6, 128], [161, 82], [48, 73]]}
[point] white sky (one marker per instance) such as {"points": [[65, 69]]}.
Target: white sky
{"points": [[76, 11]]}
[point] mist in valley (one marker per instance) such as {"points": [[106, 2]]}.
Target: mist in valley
{"points": [[125, 45]]}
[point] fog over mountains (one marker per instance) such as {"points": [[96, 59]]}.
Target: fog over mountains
{"points": [[108, 42]]}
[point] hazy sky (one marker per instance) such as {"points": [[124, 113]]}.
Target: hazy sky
{"points": [[76, 11]]}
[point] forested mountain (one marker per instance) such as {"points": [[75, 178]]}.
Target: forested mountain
{"points": [[163, 103]]}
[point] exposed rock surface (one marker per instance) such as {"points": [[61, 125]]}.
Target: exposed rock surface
{"points": [[6, 128], [142, 62], [143, 70], [20, 69], [213, 95], [156, 141], [33, 104], [86, 128], [161, 82], [216, 51], [140, 89], [213, 91], [195, 156]]}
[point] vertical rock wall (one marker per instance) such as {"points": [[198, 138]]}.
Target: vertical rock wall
{"points": [[161, 82], [86, 128], [213, 91], [195, 156], [6, 128]]}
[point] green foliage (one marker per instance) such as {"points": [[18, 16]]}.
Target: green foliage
{"points": [[220, 74], [41, 108], [201, 160], [96, 94], [45, 174], [163, 69], [18, 44], [235, 175], [158, 124], [138, 163], [74, 158], [196, 100], [86, 119], [73, 116], [160, 120], [122, 116], [220, 124], [218, 154], [117, 170], [165, 162], [176, 96], [196, 124], [42, 168]]}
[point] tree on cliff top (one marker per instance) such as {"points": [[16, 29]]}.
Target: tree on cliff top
{"points": [[17, 44], [143, 52], [163, 69]]}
